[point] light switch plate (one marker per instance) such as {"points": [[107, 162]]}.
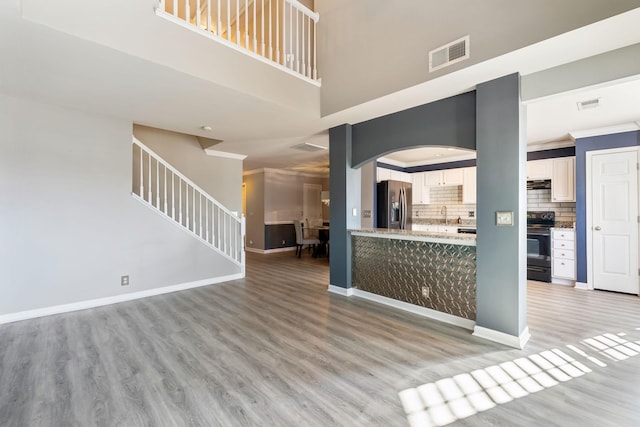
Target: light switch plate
{"points": [[504, 218]]}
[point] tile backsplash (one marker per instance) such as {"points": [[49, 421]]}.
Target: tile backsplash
{"points": [[540, 200], [451, 197]]}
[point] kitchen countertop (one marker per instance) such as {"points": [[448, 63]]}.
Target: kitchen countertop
{"points": [[421, 236], [429, 221]]}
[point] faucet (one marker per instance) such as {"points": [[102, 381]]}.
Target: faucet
{"points": [[443, 211]]}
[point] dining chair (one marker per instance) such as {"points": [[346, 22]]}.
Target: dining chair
{"points": [[301, 240]]}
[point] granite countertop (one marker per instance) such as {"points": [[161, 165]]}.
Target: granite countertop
{"points": [[430, 221], [423, 236]]}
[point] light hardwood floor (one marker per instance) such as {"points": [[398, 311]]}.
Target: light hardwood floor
{"points": [[276, 349]]}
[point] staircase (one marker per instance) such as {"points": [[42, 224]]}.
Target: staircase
{"points": [[165, 190]]}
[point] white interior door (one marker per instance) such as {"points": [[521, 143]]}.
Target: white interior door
{"points": [[312, 203], [614, 209]]}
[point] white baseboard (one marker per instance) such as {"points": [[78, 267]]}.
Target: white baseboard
{"points": [[416, 309], [346, 292], [502, 338], [83, 305], [270, 251], [582, 285], [565, 282]]}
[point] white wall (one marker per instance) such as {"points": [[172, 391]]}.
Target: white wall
{"points": [[220, 177], [371, 48], [69, 227]]}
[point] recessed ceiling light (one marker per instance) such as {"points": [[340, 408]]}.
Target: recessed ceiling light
{"points": [[589, 103], [438, 155], [206, 128], [450, 149]]}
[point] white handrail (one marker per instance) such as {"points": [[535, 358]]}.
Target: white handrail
{"points": [[248, 27], [197, 212]]}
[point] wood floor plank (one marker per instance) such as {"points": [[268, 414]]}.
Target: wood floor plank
{"points": [[276, 349]]}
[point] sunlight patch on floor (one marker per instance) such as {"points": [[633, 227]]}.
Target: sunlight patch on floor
{"points": [[450, 399]]}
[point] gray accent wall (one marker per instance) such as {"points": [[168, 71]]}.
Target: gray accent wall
{"points": [[255, 210], [448, 122], [69, 226], [501, 250]]}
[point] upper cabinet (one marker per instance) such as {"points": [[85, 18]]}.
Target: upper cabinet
{"points": [[563, 182], [444, 177], [540, 169], [421, 194], [469, 185], [384, 174]]}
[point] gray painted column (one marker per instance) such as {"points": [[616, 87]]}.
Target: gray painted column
{"points": [[501, 250], [344, 187]]}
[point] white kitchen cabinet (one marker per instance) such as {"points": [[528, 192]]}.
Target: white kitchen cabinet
{"points": [[444, 177], [401, 176], [540, 169], [432, 228], [383, 174], [563, 181], [421, 193], [563, 256], [469, 185]]}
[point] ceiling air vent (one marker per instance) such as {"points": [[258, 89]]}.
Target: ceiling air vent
{"points": [[308, 146], [589, 103], [448, 54]]}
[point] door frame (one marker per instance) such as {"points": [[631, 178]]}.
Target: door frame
{"points": [[589, 208]]}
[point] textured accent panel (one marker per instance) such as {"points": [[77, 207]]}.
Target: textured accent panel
{"points": [[399, 269]]}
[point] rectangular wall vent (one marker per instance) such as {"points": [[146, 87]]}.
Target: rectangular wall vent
{"points": [[308, 146], [448, 54], [590, 103]]}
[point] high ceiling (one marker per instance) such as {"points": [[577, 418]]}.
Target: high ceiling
{"points": [[55, 57]]}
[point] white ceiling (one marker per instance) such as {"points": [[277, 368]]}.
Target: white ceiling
{"points": [[56, 67]]}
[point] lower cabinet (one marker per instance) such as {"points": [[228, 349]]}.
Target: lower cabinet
{"points": [[563, 256]]}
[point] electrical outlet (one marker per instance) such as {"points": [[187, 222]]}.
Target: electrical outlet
{"points": [[425, 292], [284, 242], [124, 280], [472, 214]]}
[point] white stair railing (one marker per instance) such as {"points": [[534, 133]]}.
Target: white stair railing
{"points": [[280, 31], [160, 186]]}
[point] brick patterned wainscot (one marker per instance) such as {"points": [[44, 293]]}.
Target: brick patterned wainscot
{"points": [[398, 265]]}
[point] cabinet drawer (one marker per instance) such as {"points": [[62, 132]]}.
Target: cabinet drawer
{"points": [[563, 235], [563, 244], [564, 268], [564, 254]]}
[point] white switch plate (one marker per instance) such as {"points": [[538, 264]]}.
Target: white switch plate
{"points": [[354, 212], [504, 218]]}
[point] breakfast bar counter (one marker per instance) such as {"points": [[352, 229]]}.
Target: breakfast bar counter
{"points": [[427, 269]]}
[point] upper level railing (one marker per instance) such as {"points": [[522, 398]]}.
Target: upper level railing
{"points": [[280, 31]]}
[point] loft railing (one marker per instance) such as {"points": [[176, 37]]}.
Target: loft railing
{"points": [[280, 31], [160, 186]]}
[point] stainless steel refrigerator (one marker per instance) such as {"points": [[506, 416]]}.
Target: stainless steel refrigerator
{"points": [[393, 205]]}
